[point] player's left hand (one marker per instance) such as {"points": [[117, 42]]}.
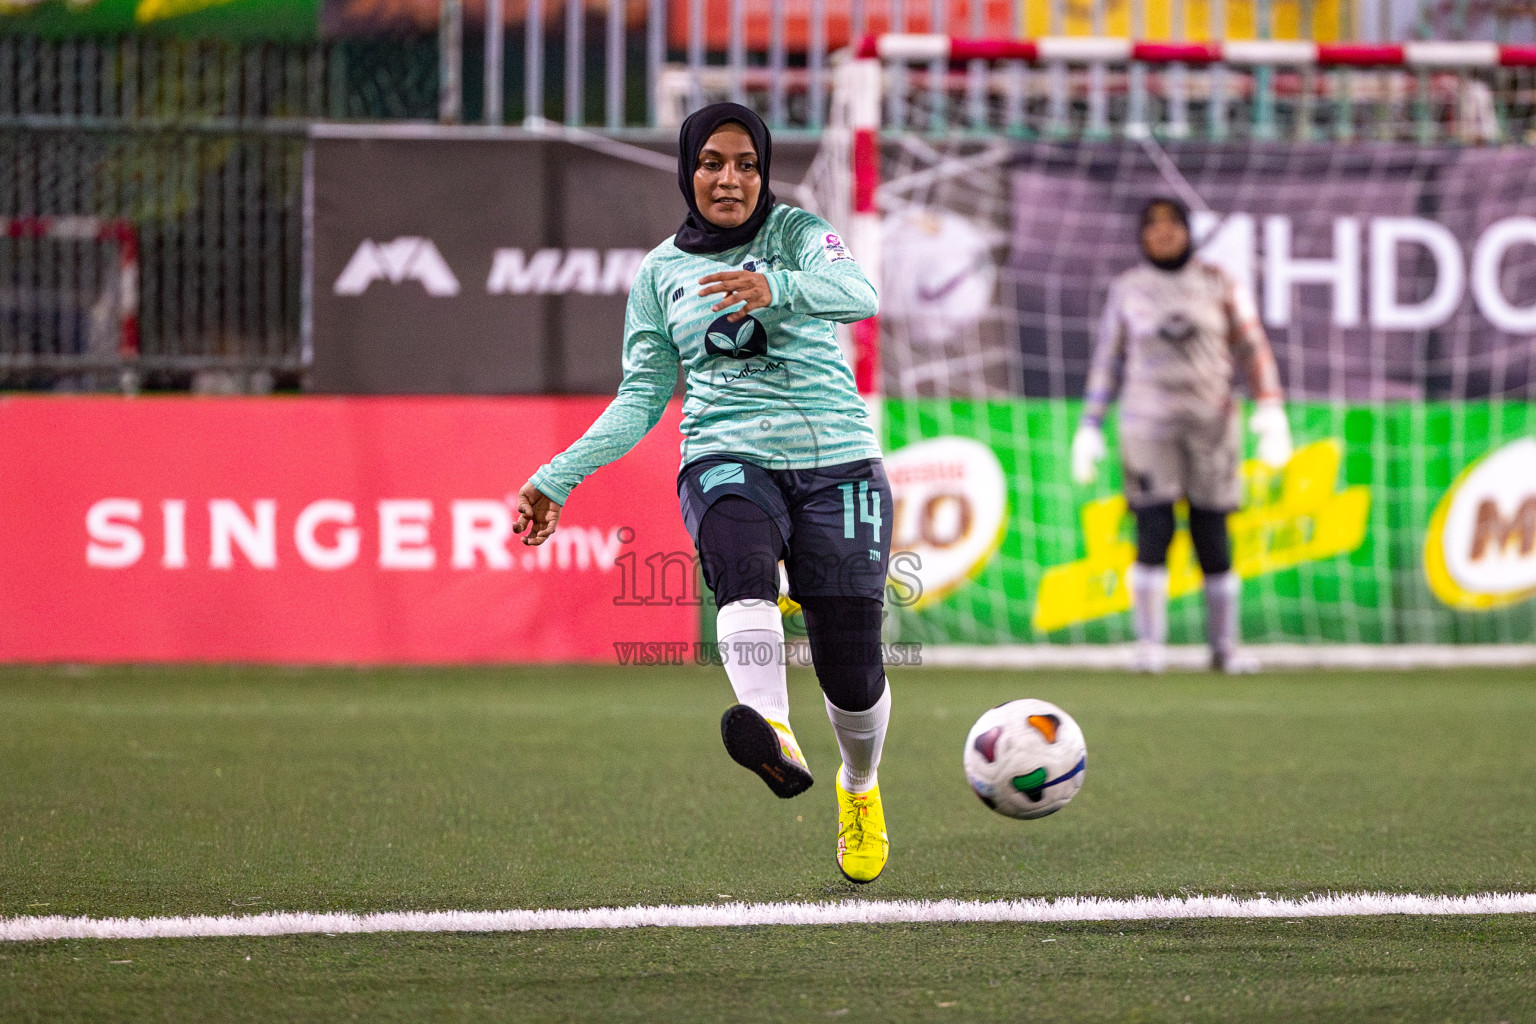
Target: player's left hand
{"points": [[737, 286], [1274, 430], [537, 514]]}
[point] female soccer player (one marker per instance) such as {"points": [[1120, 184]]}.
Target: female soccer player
{"points": [[779, 459], [1177, 325]]}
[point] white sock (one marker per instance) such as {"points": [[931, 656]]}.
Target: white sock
{"points": [[1221, 603], [1149, 602], [751, 637], [860, 737]]}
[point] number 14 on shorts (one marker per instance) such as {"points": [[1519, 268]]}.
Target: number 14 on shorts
{"points": [[867, 504]]}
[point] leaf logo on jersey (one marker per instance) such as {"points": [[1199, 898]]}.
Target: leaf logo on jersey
{"points": [[1178, 329], [741, 340]]}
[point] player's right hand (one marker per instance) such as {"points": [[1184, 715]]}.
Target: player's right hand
{"points": [[1274, 430], [1087, 450], [536, 514]]}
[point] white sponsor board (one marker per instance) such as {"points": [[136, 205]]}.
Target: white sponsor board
{"points": [[951, 513], [1480, 552]]}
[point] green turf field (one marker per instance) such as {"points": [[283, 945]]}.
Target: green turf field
{"points": [[219, 791]]}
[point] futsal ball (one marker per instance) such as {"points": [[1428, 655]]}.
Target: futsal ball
{"points": [[1025, 758]]}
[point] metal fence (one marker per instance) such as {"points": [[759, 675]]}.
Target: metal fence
{"points": [[192, 152]]}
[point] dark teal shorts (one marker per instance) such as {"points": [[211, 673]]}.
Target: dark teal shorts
{"points": [[835, 520]]}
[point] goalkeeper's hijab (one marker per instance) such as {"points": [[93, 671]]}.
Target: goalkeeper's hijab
{"points": [[1181, 214], [698, 235]]}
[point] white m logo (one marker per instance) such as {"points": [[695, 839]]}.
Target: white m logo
{"points": [[407, 258]]}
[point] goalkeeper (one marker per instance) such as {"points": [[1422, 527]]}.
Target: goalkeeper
{"points": [[1172, 329], [779, 458]]}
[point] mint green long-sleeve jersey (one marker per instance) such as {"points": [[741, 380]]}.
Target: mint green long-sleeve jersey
{"points": [[773, 390]]}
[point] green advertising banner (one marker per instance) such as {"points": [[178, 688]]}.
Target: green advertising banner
{"points": [[1393, 523], [230, 20]]}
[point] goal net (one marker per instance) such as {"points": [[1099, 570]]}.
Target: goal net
{"points": [[1397, 283]]}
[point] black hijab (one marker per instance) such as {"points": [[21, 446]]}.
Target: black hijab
{"points": [[698, 235], [1181, 214]]}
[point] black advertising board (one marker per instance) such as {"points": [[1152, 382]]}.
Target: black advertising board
{"points": [[461, 262]]}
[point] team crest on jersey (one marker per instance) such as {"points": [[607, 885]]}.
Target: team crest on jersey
{"points": [[1178, 329], [741, 340]]}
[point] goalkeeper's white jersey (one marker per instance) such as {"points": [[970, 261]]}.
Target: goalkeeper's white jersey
{"points": [[1168, 341]]}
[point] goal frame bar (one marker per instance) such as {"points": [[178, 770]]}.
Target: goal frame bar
{"points": [[921, 47]]}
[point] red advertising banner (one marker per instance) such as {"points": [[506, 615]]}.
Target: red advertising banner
{"points": [[367, 530]]}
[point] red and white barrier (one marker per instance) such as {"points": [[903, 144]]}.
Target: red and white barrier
{"points": [[915, 48], [118, 231]]}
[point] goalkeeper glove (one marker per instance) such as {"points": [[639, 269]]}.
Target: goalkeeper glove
{"points": [[1087, 450], [1274, 431]]}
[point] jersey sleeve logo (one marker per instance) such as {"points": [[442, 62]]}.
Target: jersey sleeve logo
{"points": [[741, 340], [834, 248]]}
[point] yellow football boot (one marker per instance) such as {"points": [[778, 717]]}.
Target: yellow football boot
{"points": [[862, 845], [767, 748]]}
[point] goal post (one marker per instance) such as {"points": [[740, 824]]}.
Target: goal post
{"points": [[89, 269], [991, 187]]}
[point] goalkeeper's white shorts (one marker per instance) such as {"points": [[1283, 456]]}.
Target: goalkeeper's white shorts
{"points": [[1199, 461]]}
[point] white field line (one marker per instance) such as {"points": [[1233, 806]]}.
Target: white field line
{"points": [[727, 915], [1391, 657]]}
